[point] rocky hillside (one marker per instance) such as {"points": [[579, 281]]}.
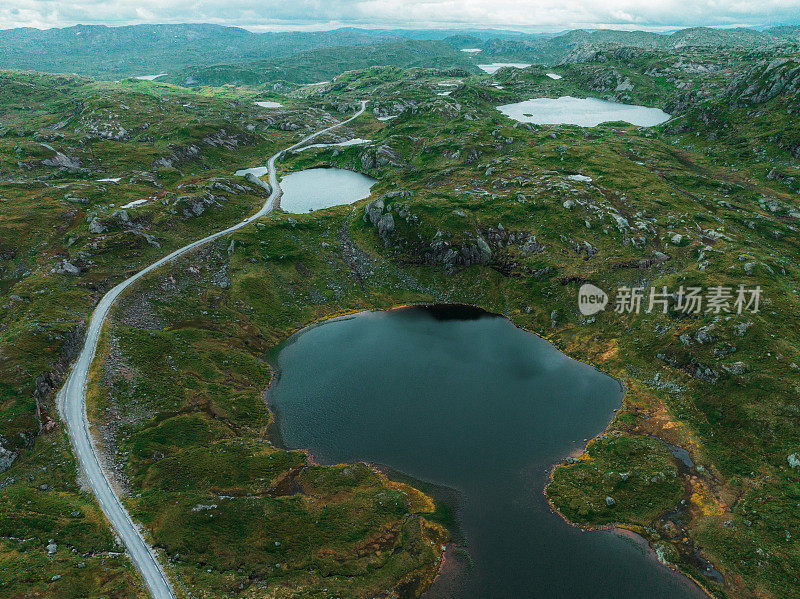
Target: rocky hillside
{"points": [[766, 80], [151, 49], [551, 50], [757, 108]]}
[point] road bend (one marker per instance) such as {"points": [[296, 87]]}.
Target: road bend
{"points": [[71, 399]]}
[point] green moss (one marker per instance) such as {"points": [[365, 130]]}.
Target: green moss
{"points": [[636, 473]]}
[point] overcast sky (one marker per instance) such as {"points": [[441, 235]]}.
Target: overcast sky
{"points": [[524, 15]]}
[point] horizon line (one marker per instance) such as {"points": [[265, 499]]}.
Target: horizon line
{"points": [[334, 26]]}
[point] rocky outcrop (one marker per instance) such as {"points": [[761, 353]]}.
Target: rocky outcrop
{"points": [[736, 369], [48, 382], [251, 178], [764, 82], [381, 156], [65, 267], [190, 206], [222, 138], [7, 458], [120, 219], [179, 155], [60, 160], [109, 131], [384, 222], [96, 226], [790, 182], [453, 255], [490, 246], [394, 108], [704, 373]]}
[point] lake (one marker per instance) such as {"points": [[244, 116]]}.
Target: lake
{"points": [[358, 141], [586, 112], [496, 66], [316, 188], [256, 171], [465, 400], [149, 77]]}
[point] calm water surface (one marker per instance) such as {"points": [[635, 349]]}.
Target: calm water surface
{"points": [[460, 398], [496, 66], [586, 112], [317, 188]]}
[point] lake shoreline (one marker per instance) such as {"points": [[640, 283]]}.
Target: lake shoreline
{"points": [[304, 191], [586, 112], [619, 528], [274, 437]]}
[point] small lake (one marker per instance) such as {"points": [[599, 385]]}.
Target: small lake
{"points": [[256, 171], [317, 188], [358, 141], [149, 77], [496, 66], [586, 112], [463, 399], [267, 104]]}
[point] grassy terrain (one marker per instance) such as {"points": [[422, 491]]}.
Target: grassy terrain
{"points": [[473, 208], [189, 439], [54, 540], [65, 241]]}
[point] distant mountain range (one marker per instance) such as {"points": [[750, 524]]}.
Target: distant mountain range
{"points": [[323, 64], [215, 54], [556, 49], [114, 52]]}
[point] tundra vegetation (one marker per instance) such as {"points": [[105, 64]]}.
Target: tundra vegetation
{"points": [[470, 207]]}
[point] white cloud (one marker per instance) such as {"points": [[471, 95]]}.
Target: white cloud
{"points": [[534, 15]]}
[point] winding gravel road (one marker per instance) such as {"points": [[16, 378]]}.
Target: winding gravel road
{"points": [[71, 399]]}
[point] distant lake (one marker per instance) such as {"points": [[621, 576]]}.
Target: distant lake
{"points": [[460, 398], [358, 141], [318, 188], [496, 66], [268, 104], [586, 112], [256, 171], [149, 77]]}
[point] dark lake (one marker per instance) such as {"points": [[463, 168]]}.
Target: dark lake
{"points": [[463, 399]]}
